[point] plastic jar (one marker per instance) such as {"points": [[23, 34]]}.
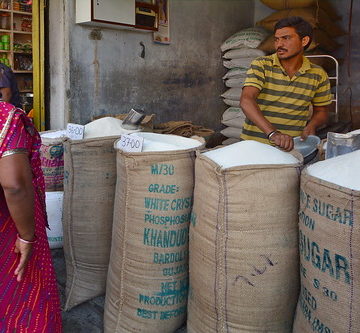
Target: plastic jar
{"points": [[16, 5], [5, 38], [5, 21], [4, 4]]}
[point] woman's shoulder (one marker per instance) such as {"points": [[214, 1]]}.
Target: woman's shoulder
{"points": [[16, 116], [8, 109]]}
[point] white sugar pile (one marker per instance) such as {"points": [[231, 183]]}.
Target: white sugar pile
{"points": [[53, 134], [249, 153], [342, 170], [166, 142], [107, 126]]}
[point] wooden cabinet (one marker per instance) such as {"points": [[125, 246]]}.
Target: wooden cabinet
{"points": [[118, 14], [114, 11]]}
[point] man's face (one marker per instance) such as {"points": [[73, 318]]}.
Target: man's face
{"points": [[288, 43]]}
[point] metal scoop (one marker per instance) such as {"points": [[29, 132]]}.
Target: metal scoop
{"points": [[133, 119]]}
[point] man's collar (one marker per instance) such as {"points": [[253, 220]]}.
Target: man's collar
{"points": [[304, 67]]}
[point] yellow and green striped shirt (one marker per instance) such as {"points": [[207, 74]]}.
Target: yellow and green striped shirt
{"points": [[285, 101]]}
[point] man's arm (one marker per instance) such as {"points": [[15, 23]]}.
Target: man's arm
{"points": [[6, 94], [319, 118], [252, 111]]}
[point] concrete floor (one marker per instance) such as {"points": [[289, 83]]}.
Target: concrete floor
{"points": [[86, 317]]}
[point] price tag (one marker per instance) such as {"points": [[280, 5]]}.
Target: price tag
{"points": [[131, 143], [74, 131]]}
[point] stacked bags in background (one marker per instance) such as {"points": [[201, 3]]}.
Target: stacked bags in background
{"points": [[320, 14], [52, 165], [240, 50], [233, 118]]}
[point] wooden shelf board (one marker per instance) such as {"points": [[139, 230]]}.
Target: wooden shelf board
{"points": [[21, 13], [16, 32], [22, 72], [22, 32]]}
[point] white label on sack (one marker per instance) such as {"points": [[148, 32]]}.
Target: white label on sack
{"points": [[131, 143], [74, 131]]}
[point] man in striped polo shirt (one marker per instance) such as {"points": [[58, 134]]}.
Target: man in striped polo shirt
{"points": [[279, 89]]}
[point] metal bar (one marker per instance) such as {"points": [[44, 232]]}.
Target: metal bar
{"points": [[336, 78]]}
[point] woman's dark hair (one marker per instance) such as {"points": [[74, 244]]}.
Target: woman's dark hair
{"points": [[302, 27]]}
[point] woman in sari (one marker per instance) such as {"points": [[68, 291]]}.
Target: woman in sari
{"points": [[29, 300]]}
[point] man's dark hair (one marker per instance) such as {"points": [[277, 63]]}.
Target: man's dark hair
{"points": [[302, 27]]}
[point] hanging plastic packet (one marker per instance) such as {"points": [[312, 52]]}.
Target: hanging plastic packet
{"points": [[340, 144]]}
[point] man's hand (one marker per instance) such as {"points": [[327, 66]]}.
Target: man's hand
{"points": [[319, 118], [283, 141], [308, 130]]}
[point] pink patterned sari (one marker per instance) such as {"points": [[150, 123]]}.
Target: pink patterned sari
{"points": [[31, 305]]}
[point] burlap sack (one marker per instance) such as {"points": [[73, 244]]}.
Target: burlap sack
{"points": [[234, 83], [89, 188], [231, 132], [233, 117], [243, 52], [241, 62], [235, 73], [230, 102], [250, 37], [147, 284], [329, 236], [315, 16], [52, 162], [324, 41], [288, 4], [232, 93], [243, 248]]}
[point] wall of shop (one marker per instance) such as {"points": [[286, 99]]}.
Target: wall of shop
{"points": [[180, 81], [349, 58], [58, 86]]}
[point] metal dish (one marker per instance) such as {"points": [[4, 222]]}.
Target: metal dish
{"points": [[307, 148]]}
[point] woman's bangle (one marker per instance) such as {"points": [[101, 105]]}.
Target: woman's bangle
{"points": [[271, 134], [26, 241]]}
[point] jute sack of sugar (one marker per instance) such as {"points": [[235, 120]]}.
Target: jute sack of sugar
{"points": [[244, 264], [89, 189], [147, 285], [329, 234]]}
